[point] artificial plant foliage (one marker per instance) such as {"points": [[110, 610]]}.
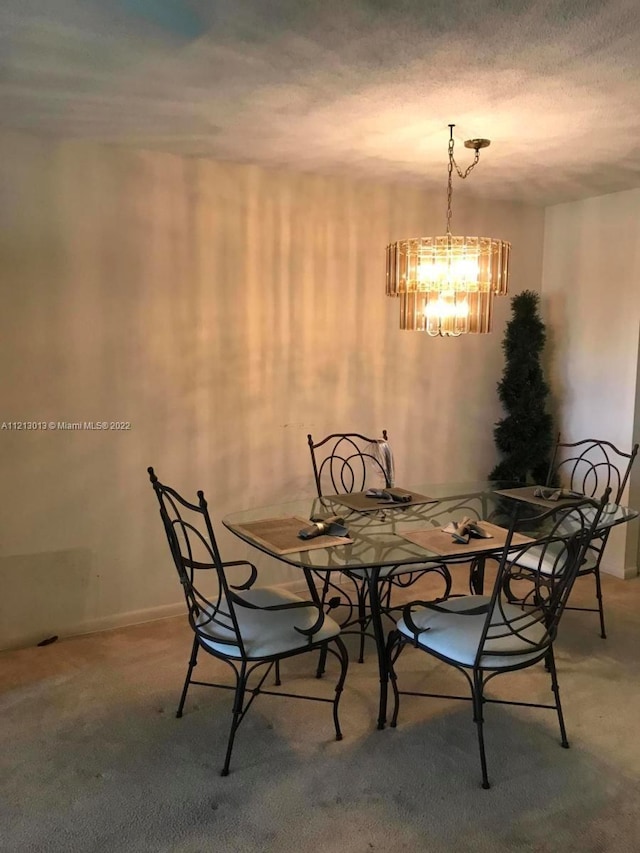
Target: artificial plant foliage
{"points": [[524, 437]]}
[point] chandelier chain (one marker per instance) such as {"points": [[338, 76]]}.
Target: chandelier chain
{"points": [[461, 174]]}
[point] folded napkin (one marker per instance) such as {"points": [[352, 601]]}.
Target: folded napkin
{"points": [[555, 494], [391, 496], [333, 525], [462, 530]]}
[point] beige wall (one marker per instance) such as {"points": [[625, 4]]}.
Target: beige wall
{"points": [[591, 299], [225, 312]]}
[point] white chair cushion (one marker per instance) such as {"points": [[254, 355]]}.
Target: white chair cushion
{"points": [[456, 636], [267, 633], [530, 559], [551, 564]]}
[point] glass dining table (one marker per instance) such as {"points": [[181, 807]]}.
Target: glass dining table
{"points": [[401, 537]]}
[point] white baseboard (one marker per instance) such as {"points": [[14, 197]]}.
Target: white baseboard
{"points": [[131, 617], [169, 611], [95, 626], [624, 573]]}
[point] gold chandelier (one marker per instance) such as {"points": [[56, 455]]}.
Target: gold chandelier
{"points": [[446, 284]]}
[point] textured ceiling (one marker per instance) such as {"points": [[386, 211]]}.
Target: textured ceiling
{"points": [[366, 87]]}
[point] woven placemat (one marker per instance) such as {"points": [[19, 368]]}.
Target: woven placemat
{"points": [[360, 502], [442, 543], [526, 493], [280, 535]]}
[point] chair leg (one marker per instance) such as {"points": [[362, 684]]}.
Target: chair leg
{"points": [[476, 576], [479, 721], [277, 681], [506, 588], [392, 657], [387, 594], [603, 633], [321, 662], [551, 666], [362, 618], [448, 581], [193, 660], [238, 702], [344, 665]]}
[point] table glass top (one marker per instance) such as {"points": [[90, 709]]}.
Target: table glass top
{"points": [[377, 534]]}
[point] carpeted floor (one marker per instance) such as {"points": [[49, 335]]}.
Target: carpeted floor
{"points": [[94, 760]]}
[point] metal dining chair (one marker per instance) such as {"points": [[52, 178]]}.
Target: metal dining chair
{"points": [[348, 462], [591, 466], [243, 625], [482, 636]]}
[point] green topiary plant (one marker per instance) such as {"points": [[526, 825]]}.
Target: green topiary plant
{"points": [[524, 437]]}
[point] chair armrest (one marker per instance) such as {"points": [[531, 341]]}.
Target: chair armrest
{"points": [[252, 577], [416, 630], [293, 605]]}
